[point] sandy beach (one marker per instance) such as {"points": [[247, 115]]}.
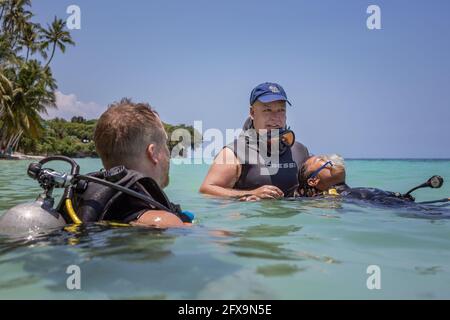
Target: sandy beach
{"points": [[22, 156]]}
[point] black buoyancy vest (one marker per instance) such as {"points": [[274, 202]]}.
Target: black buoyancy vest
{"points": [[372, 194], [100, 202], [286, 177]]}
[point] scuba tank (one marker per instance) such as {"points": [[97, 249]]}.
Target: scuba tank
{"points": [[31, 217], [39, 215]]}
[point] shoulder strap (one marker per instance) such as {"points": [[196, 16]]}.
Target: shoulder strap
{"points": [[244, 165]]}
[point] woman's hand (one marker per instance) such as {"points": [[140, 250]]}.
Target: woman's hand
{"points": [[251, 198], [267, 192]]}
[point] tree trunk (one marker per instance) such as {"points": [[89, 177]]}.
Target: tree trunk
{"points": [[2, 140], [51, 57], [16, 140], [1, 14], [8, 144], [13, 141]]}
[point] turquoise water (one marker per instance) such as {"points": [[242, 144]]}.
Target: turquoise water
{"points": [[271, 249]]}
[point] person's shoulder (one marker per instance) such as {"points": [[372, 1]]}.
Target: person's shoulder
{"points": [[298, 146], [227, 155], [300, 153], [235, 150], [158, 219]]}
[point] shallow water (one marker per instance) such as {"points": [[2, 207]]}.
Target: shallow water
{"points": [[271, 249]]}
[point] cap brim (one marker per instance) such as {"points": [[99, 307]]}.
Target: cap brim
{"points": [[272, 97]]}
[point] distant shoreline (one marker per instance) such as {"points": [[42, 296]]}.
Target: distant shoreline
{"points": [[22, 156]]}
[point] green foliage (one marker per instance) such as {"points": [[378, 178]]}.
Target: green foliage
{"points": [[72, 139], [195, 136], [75, 138], [27, 86]]}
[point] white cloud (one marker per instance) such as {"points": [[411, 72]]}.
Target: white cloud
{"points": [[69, 106]]}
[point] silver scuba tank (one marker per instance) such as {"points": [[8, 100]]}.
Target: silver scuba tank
{"points": [[32, 217], [39, 215]]}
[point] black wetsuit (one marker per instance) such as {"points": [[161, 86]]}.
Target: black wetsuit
{"points": [[373, 195], [258, 170], [380, 198], [98, 202], [282, 174], [405, 204]]}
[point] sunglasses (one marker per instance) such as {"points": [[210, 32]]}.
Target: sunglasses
{"points": [[316, 172]]}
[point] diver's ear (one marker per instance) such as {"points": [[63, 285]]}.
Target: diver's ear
{"points": [[150, 152], [252, 112], [313, 182]]}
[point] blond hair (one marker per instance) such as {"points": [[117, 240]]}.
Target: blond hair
{"points": [[125, 130]]}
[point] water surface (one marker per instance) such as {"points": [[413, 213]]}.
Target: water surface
{"points": [[271, 249]]}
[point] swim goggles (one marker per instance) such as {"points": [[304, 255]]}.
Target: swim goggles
{"points": [[316, 172]]}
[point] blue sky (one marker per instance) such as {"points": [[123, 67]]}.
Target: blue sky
{"points": [[358, 92]]}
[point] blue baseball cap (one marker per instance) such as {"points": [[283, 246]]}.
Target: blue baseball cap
{"points": [[268, 92]]}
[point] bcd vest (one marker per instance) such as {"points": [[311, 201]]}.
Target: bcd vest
{"points": [[282, 173], [98, 202]]}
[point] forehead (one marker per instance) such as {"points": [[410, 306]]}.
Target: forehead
{"points": [[313, 161], [273, 104]]}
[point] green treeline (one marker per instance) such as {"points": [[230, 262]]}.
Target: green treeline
{"points": [[75, 138]]}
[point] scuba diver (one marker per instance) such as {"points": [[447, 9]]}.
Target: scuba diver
{"points": [[325, 176], [132, 144], [253, 165]]}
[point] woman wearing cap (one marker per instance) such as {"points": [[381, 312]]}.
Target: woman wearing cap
{"points": [[250, 170]]}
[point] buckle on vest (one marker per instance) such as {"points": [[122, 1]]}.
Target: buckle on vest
{"points": [[115, 174]]}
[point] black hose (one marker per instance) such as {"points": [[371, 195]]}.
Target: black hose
{"points": [[124, 190], [423, 185], [75, 167]]}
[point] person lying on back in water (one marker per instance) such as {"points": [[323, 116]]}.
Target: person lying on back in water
{"points": [[325, 175]]}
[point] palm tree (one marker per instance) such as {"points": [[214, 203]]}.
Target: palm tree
{"points": [[30, 40], [15, 18], [3, 7], [57, 37], [6, 92], [31, 92], [9, 96], [27, 88]]}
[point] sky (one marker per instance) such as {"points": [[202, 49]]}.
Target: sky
{"points": [[357, 92]]}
